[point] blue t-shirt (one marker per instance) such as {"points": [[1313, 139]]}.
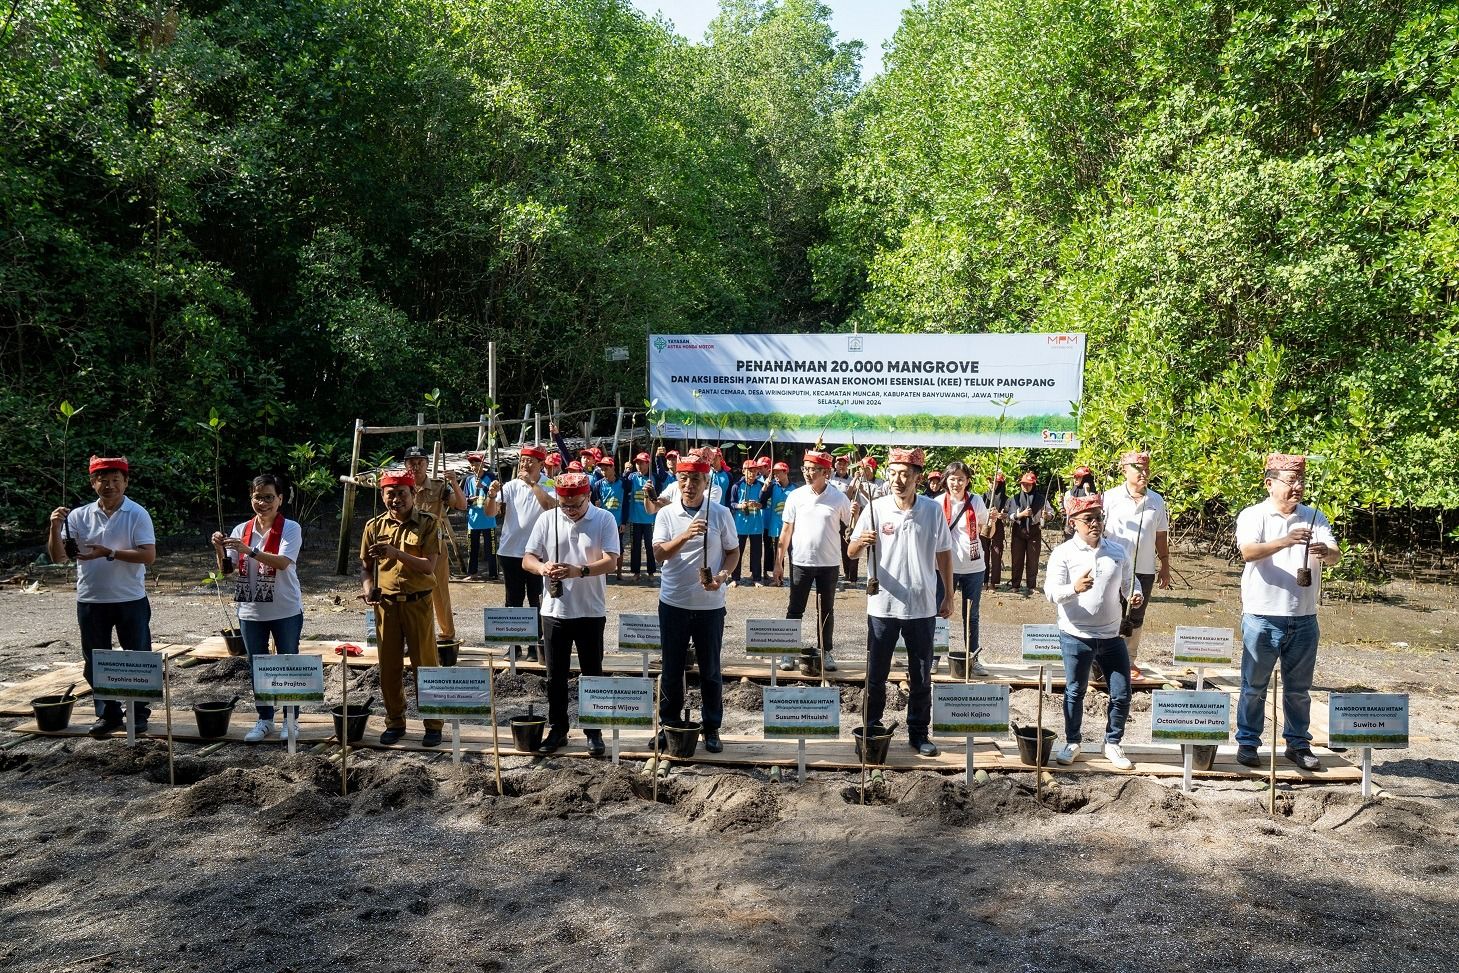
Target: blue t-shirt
{"points": [[775, 511], [751, 521], [476, 487], [637, 512], [722, 477], [609, 496]]}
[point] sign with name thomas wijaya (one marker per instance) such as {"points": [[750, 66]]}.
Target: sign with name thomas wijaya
{"points": [[1190, 716], [638, 633], [902, 389], [1368, 720], [453, 692], [125, 676], [613, 702], [802, 711], [509, 626], [963, 709], [288, 678]]}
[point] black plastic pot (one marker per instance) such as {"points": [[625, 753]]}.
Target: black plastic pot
{"points": [[213, 717], [1203, 756], [233, 638], [957, 664], [448, 651], [879, 742], [52, 713], [683, 737], [1027, 745], [810, 665], [527, 732], [358, 717]]}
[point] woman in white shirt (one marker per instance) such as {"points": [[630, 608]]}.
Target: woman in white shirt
{"points": [[263, 551], [966, 516]]}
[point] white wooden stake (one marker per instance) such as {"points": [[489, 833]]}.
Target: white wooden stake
{"points": [[1367, 772], [456, 742]]}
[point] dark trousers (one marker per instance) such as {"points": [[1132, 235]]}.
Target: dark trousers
{"points": [[677, 628], [772, 544], [993, 554], [483, 540], [132, 621], [285, 632], [1146, 584], [970, 587], [559, 636], [642, 534], [1024, 560], [752, 541], [881, 640], [849, 564], [824, 579], [520, 585]]}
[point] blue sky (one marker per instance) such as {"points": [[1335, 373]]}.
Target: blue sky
{"points": [[869, 21]]}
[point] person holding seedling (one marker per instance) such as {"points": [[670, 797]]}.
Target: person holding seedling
{"points": [[573, 548], [1086, 578], [435, 497], [909, 560], [480, 526], [519, 503], [263, 551], [1027, 511], [996, 500], [398, 555], [748, 499], [608, 492], [815, 520], [1285, 544], [1136, 516], [115, 542], [641, 487], [779, 476], [966, 515]]}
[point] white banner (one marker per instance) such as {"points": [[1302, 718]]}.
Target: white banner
{"points": [[126, 675], [906, 389], [1199, 645], [1041, 644], [453, 692], [802, 711]]}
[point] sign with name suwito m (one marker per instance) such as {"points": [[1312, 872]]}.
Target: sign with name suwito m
{"points": [[126, 676], [1190, 716], [792, 712], [941, 638], [1041, 644], [1198, 645], [962, 709], [613, 702], [509, 626], [772, 636], [638, 633], [1378, 720], [288, 678], [453, 692]]}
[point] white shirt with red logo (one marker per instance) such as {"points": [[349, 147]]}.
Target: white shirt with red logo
{"points": [[908, 542]]}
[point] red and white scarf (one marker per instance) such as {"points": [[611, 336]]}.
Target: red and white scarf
{"points": [[245, 588]]}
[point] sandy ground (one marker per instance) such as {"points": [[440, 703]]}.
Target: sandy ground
{"points": [[255, 862]]}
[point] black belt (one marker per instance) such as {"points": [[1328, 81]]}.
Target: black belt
{"points": [[403, 599]]}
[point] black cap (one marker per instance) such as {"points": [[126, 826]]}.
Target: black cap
{"points": [[416, 452]]}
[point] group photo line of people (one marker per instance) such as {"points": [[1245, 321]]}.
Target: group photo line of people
{"points": [[553, 534]]}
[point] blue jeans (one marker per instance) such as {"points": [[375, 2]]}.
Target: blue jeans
{"points": [[132, 621], [286, 633], [1113, 657], [881, 640], [677, 628], [1264, 640], [970, 586]]}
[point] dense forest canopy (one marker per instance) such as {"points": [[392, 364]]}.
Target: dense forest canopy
{"points": [[289, 214]]}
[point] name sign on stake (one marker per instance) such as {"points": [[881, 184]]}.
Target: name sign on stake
{"points": [[638, 633], [613, 702], [126, 676], [962, 709], [372, 637], [1189, 716], [453, 693], [792, 712], [772, 636], [1041, 644], [288, 678], [1376, 720], [941, 638], [1197, 645], [509, 626]]}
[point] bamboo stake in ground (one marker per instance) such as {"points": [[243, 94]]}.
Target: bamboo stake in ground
{"points": [[496, 750], [658, 690], [1038, 751], [1271, 804], [167, 702], [344, 706], [865, 694]]}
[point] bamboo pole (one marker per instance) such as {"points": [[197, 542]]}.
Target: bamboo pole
{"points": [[167, 702], [420, 429], [347, 508], [344, 706], [658, 694], [1038, 751], [1271, 804], [496, 750]]}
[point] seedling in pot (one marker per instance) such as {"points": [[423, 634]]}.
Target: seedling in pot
{"points": [[67, 413]]}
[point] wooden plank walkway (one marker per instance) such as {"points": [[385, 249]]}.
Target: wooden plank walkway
{"points": [[15, 700]]}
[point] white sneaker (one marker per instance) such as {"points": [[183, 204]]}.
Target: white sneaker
{"points": [[830, 662], [260, 730], [786, 664], [979, 669], [289, 728], [1115, 754], [1067, 754]]}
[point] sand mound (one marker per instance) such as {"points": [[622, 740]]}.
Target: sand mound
{"points": [[730, 803], [299, 791], [561, 792], [231, 669], [745, 696], [378, 787]]}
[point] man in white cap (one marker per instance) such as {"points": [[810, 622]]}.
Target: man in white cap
{"points": [[1136, 516]]}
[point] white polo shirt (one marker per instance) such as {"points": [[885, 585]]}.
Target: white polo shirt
{"points": [[967, 548], [819, 519], [670, 493], [679, 576], [109, 582], [908, 542], [268, 599], [1269, 586], [557, 538], [1096, 613], [1128, 518], [520, 513]]}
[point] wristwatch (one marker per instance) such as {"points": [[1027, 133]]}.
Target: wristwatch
{"points": [[111, 555], [253, 553], [584, 571]]}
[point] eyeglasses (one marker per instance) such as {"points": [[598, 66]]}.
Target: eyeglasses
{"points": [[1090, 519], [575, 506], [1295, 483], [265, 498]]}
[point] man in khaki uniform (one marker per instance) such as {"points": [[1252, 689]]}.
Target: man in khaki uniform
{"points": [[433, 497], [398, 553]]}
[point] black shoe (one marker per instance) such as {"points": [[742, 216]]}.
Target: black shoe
{"points": [[431, 739], [555, 741], [596, 747], [662, 741], [532, 655], [104, 727], [1248, 757], [925, 748], [391, 735], [711, 741], [139, 729], [1303, 758]]}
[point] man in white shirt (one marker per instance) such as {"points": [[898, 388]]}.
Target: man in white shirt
{"points": [[815, 518], [1085, 577], [112, 542], [1136, 516], [574, 547], [1284, 543], [520, 503], [910, 554], [697, 548]]}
